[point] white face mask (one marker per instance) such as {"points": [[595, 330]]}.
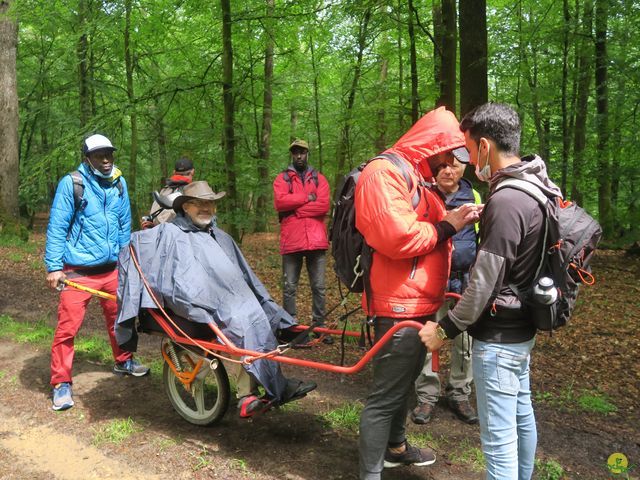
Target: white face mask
{"points": [[100, 174], [484, 173]]}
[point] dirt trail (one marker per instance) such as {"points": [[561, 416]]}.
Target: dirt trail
{"points": [[595, 357], [41, 450]]}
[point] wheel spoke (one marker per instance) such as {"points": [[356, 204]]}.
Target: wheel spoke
{"points": [[198, 396]]}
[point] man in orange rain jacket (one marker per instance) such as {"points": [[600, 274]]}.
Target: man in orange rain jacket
{"points": [[409, 273]]}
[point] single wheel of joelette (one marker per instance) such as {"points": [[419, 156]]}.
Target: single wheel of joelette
{"points": [[207, 399]]}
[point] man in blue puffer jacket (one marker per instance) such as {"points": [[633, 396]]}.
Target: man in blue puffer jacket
{"points": [[457, 191], [90, 222]]}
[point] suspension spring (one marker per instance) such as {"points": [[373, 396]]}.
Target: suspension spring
{"points": [[174, 356]]}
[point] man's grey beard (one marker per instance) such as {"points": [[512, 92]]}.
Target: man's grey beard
{"points": [[202, 224]]}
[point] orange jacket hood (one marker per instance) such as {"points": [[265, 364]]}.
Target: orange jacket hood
{"points": [[436, 132]]}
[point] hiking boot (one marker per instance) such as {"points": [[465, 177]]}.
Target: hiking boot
{"points": [[422, 413], [130, 367], [252, 405], [62, 396], [463, 410], [420, 457]]}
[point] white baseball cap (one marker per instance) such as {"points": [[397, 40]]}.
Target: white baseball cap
{"points": [[97, 142]]}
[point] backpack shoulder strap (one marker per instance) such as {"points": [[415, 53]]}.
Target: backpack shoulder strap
{"points": [[314, 176], [527, 187], [287, 178], [535, 192], [78, 197], [119, 186], [78, 189], [402, 166]]}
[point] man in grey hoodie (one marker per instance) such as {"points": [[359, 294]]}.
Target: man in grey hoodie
{"points": [[512, 239]]}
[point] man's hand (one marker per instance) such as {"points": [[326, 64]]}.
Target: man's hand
{"points": [[429, 337], [312, 197], [146, 224], [463, 215], [54, 278]]}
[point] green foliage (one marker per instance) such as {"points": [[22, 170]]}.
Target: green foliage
{"points": [[548, 469], [115, 431], [177, 91], [345, 417], [94, 348], [587, 400], [37, 333], [596, 402], [468, 454]]}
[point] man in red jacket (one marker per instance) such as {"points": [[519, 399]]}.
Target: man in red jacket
{"points": [[408, 277], [301, 197]]}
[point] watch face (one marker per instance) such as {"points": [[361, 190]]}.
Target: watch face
{"points": [[441, 333]]}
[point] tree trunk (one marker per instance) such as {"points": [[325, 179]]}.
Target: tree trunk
{"points": [[316, 101], [473, 54], [133, 116], [584, 80], [228, 131], [83, 65], [161, 138], [566, 134], [438, 37], [602, 119], [449, 56], [381, 141], [9, 160], [415, 100], [400, 66], [344, 145], [293, 122], [265, 137]]}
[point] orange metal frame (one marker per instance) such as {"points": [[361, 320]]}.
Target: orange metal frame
{"points": [[223, 345]]}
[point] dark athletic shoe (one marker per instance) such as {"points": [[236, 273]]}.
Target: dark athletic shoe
{"points": [[422, 413], [420, 457], [130, 367], [463, 410]]}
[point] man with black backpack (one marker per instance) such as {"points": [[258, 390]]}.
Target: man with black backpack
{"points": [[90, 221], [404, 221], [512, 233], [301, 198], [181, 177]]}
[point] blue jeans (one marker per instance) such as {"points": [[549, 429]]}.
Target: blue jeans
{"points": [[507, 424]]}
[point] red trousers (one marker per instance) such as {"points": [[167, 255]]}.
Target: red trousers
{"points": [[71, 311]]}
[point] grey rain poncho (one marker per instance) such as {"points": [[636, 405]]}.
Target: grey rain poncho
{"points": [[202, 276]]}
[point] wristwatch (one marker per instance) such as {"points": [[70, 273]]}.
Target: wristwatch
{"points": [[440, 333]]}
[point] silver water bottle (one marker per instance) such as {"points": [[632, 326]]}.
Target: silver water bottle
{"points": [[544, 292]]}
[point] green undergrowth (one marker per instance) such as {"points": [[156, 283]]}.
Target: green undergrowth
{"points": [[548, 469], [87, 347], [116, 431], [592, 401], [346, 417]]}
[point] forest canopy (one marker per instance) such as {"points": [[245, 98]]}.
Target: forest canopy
{"points": [[230, 84]]}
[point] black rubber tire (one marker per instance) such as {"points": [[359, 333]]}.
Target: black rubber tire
{"points": [[208, 401]]}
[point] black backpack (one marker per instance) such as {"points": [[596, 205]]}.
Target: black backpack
{"points": [[571, 238], [351, 254]]}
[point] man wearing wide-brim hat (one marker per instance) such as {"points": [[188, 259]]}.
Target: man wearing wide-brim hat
{"points": [[198, 203], [203, 277]]}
